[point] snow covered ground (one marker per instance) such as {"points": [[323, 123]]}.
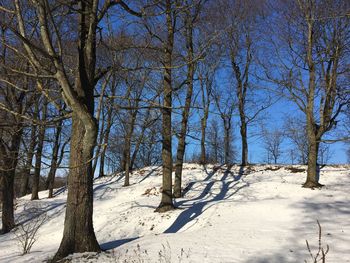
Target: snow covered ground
{"points": [[257, 215]]}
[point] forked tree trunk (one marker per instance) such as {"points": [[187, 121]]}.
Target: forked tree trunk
{"points": [[166, 203]]}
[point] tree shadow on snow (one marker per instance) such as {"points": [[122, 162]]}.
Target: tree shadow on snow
{"points": [[149, 174], [333, 217], [196, 206], [116, 243]]}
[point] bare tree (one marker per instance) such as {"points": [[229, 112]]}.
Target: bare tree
{"points": [[273, 144], [225, 106], [239, 37], [216, 149], [191, 13], [206, 73], [295, 132], [315, 35]]}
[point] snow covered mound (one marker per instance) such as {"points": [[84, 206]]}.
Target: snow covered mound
{"points": [[257, 214]]}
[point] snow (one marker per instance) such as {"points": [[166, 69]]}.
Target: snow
{"points": [[261, 214]]}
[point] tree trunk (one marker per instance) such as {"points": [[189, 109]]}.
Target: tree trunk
{"points": [[203, 159], [227, 143], [105, 142], [186, 111], [107, 130], [129, 134], [8, 221], [166, 203], [145, 125], [28, 166], [312, 166], [127, 147], [79, 235], [243, 130], [10, 160], [54, 162], [38, 155]]}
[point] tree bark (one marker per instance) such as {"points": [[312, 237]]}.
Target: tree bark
{"points": [[166, 203], [79, 235], [203, 159], [127, 148], [10, 160], [227, 141], [312, 179], [243, 131]]}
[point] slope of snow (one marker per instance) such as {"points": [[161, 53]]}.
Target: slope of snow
{"points": [[259, 215]]}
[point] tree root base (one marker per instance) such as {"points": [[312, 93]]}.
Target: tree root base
{"points": [[312, 185], [164, 208]]}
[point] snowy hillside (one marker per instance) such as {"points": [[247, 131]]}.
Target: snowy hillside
{"points": [[259, 215]]}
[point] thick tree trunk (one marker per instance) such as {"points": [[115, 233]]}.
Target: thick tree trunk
{"points": [[9, 163], [38, 155], [8, 221], [166, 203], [79, 235], [312, 179]]}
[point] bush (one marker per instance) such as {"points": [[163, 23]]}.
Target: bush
{"points": [[26, 232]]}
